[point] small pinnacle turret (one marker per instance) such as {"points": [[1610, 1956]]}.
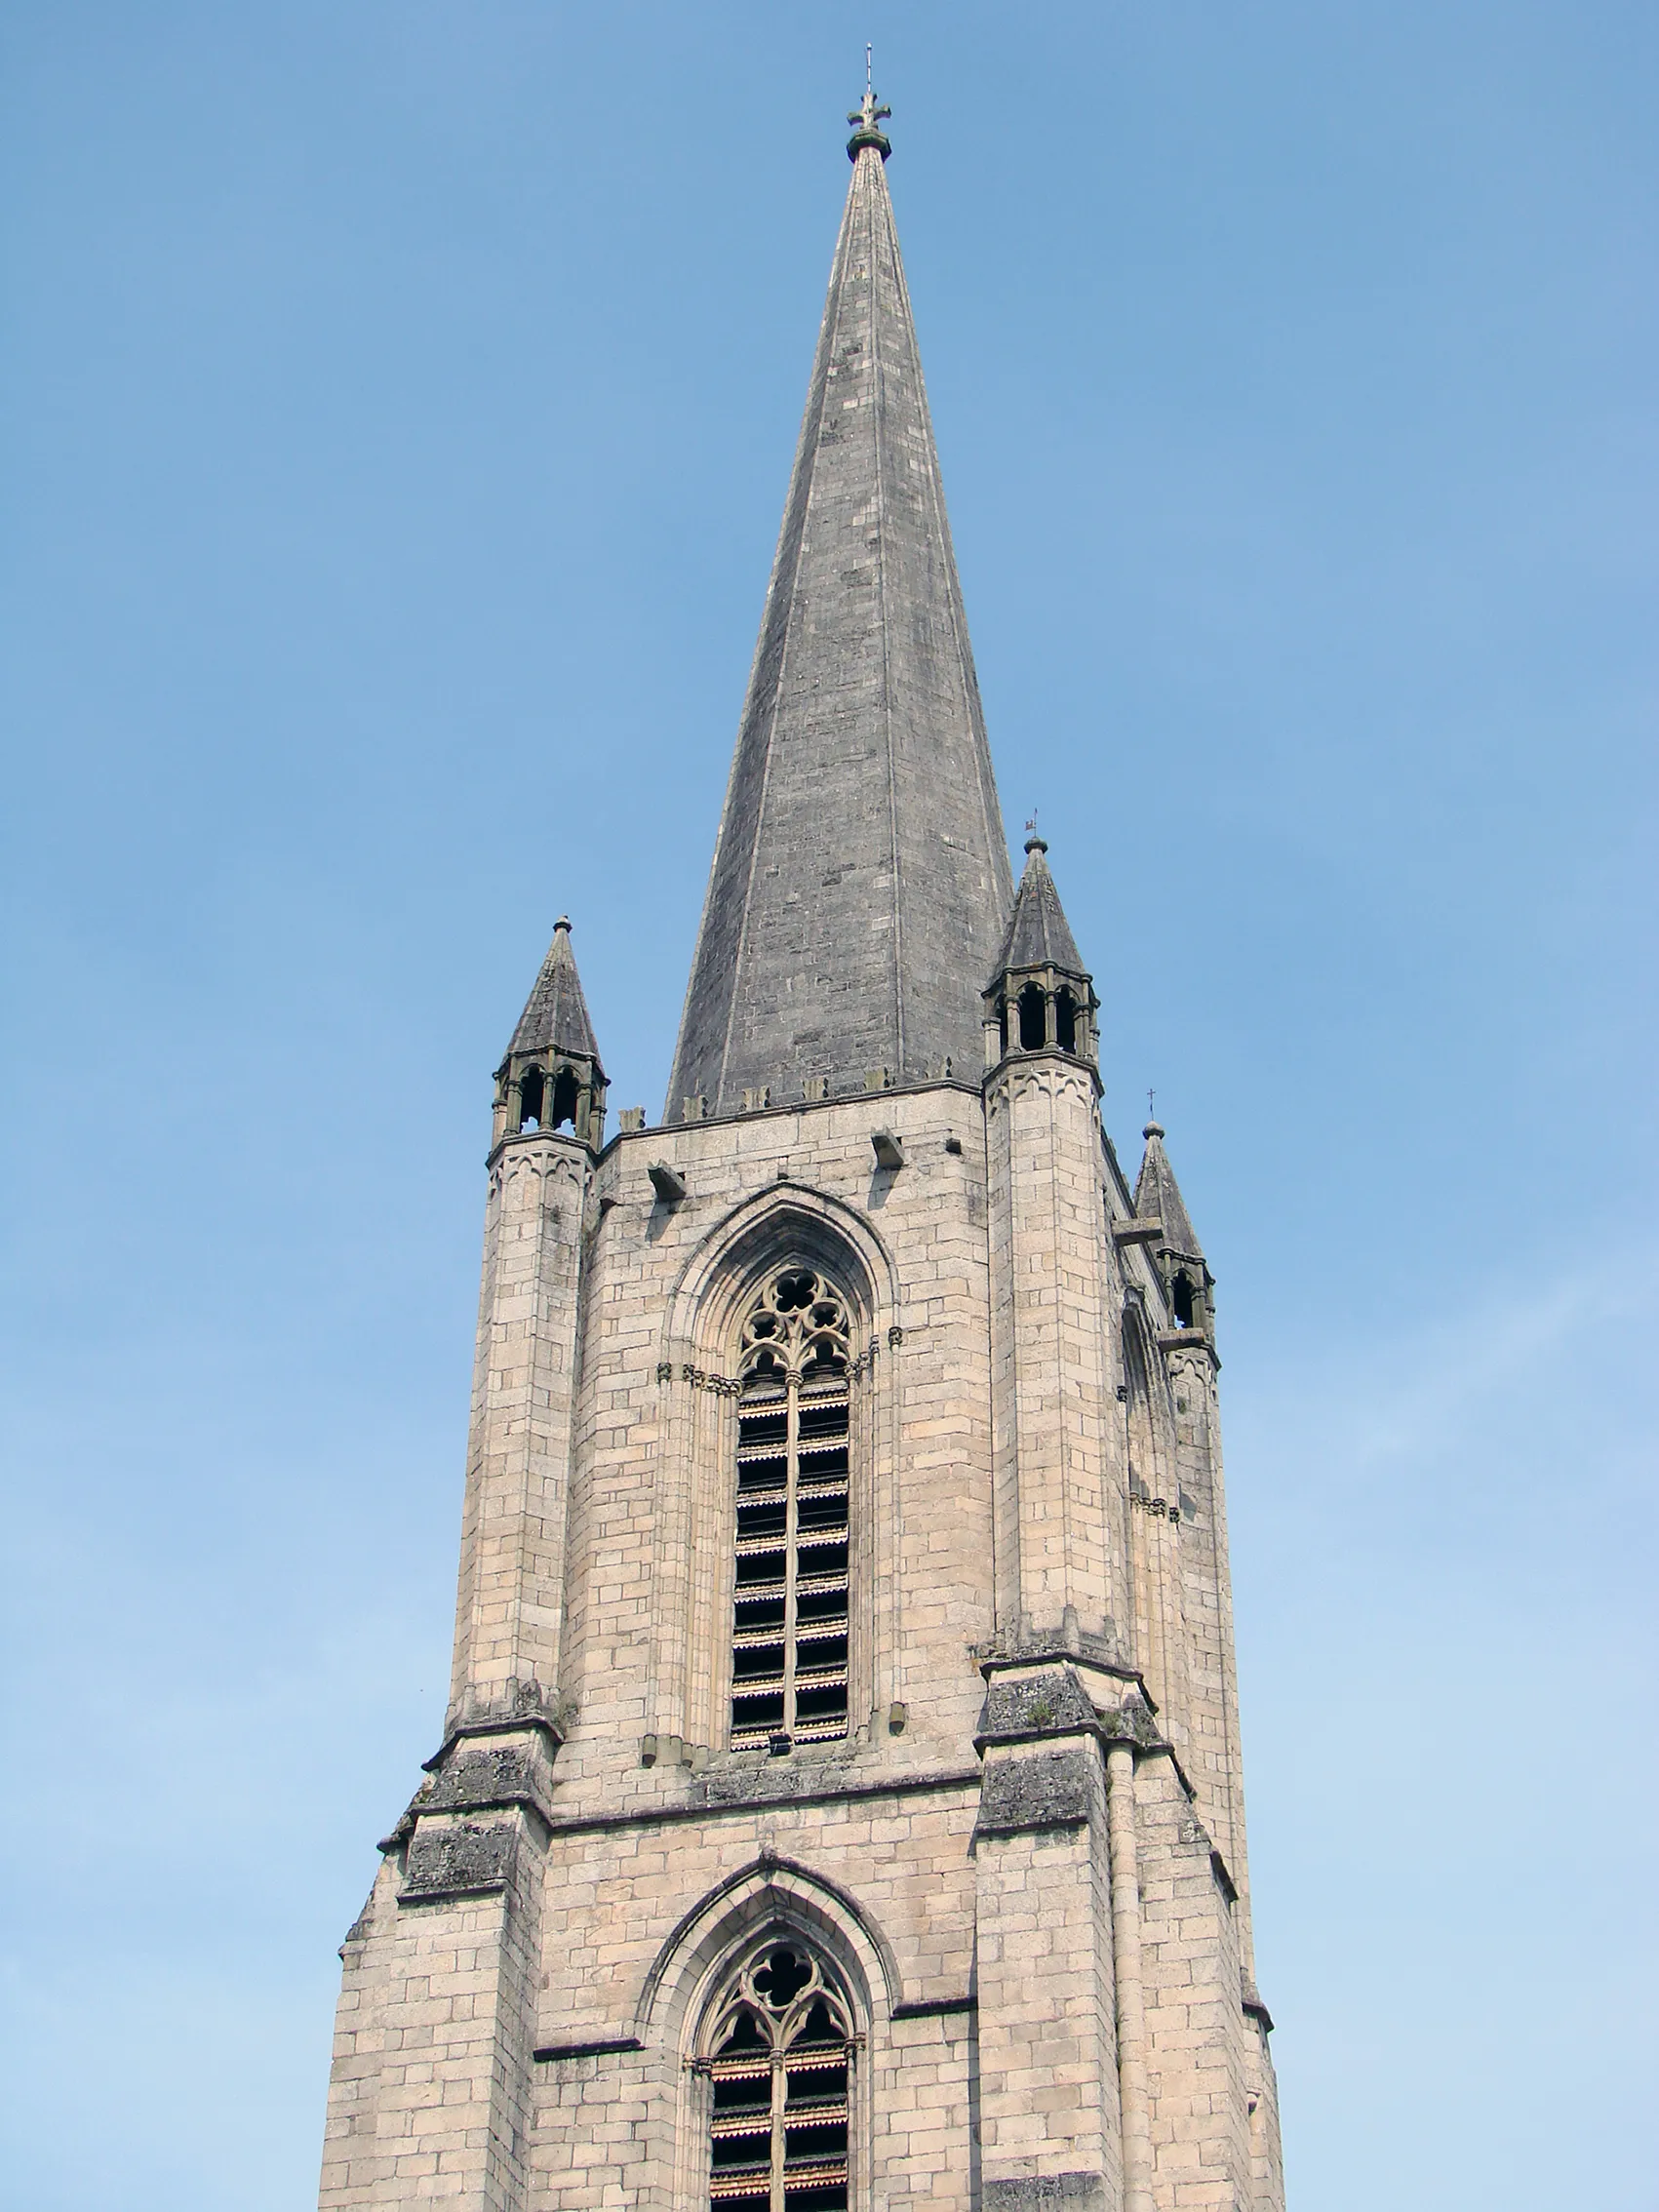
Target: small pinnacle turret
{"points": [[1040, 997], [1180, 1256], [551, 1077]]}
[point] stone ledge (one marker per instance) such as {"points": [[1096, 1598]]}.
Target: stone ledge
{"points": [[934, 2008], [603, 2046], [654, 1816], [855, 1094]]}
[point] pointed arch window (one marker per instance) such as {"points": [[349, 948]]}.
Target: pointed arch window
{"points": [[779, 2057], [789, 1624]]}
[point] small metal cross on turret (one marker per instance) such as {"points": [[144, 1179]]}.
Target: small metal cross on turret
{"points": [[868, 116]]}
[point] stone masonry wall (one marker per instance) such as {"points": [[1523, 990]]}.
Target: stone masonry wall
{"points": [[519, 2040]]}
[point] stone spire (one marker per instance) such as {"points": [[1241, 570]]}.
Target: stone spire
{"points": [[556, 1012], [861, 875], [1158, 1196], [551, 1077], [1039, 935]]}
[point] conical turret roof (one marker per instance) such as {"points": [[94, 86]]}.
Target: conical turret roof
{"points": [[1157, 1197], [860, 877], [554, 1015], [1039, 935]]}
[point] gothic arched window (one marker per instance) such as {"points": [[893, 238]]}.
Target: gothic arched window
{"points": [[789, 1603], [779, 2056]]}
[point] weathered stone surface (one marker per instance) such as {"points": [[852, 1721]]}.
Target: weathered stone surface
{"points": [[1045, 1704], [1048, 2192], [860, 881], [488, 1775], [1038, 934], [1046, 1789], [1157, 1197], [460, 1856], [556, 1011]]}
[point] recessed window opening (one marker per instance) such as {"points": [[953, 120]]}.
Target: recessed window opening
{"points": [[1002, 1025], [1033, 1018], [1181, 1298], [1136, 1390], [529, 1100], [789, 1606], [1065, 1022], [780, 2065], [565, 1093]]}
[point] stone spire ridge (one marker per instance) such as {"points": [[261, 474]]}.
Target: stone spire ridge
{"points": [[1158, 1197], [1039, 935], [861, 875], [555, 1016]]}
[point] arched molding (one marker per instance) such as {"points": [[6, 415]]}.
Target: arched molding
{"points": [[787, 1224], [768, 1894], [686, 1977]]}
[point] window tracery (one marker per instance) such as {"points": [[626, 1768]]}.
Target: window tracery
{"points": [[780, 2050], [789, 1636]]}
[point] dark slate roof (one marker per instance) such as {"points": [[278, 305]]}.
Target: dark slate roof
{"points": [[860, 876], [556, 1014], [1157, 1197], [1039, 935]]}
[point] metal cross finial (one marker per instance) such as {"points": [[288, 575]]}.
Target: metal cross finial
{"points": [[870, 112], [1150, 1115]]}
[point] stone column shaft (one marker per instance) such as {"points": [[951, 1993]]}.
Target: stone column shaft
{"points": [[1050, 1379], [510, 1608], [1126, 1969]]}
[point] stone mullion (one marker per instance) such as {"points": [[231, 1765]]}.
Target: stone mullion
{"points": [[713, 1554], [879, 1443], [791, 1534], [779, 2098]]}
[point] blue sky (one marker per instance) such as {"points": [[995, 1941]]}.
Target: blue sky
{"points": [[398, 401]]}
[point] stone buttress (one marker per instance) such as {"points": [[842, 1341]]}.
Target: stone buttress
{"points": [[840, 1803]]}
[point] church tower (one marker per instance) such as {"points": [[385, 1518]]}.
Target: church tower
{"points": [[838, 1805]]}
